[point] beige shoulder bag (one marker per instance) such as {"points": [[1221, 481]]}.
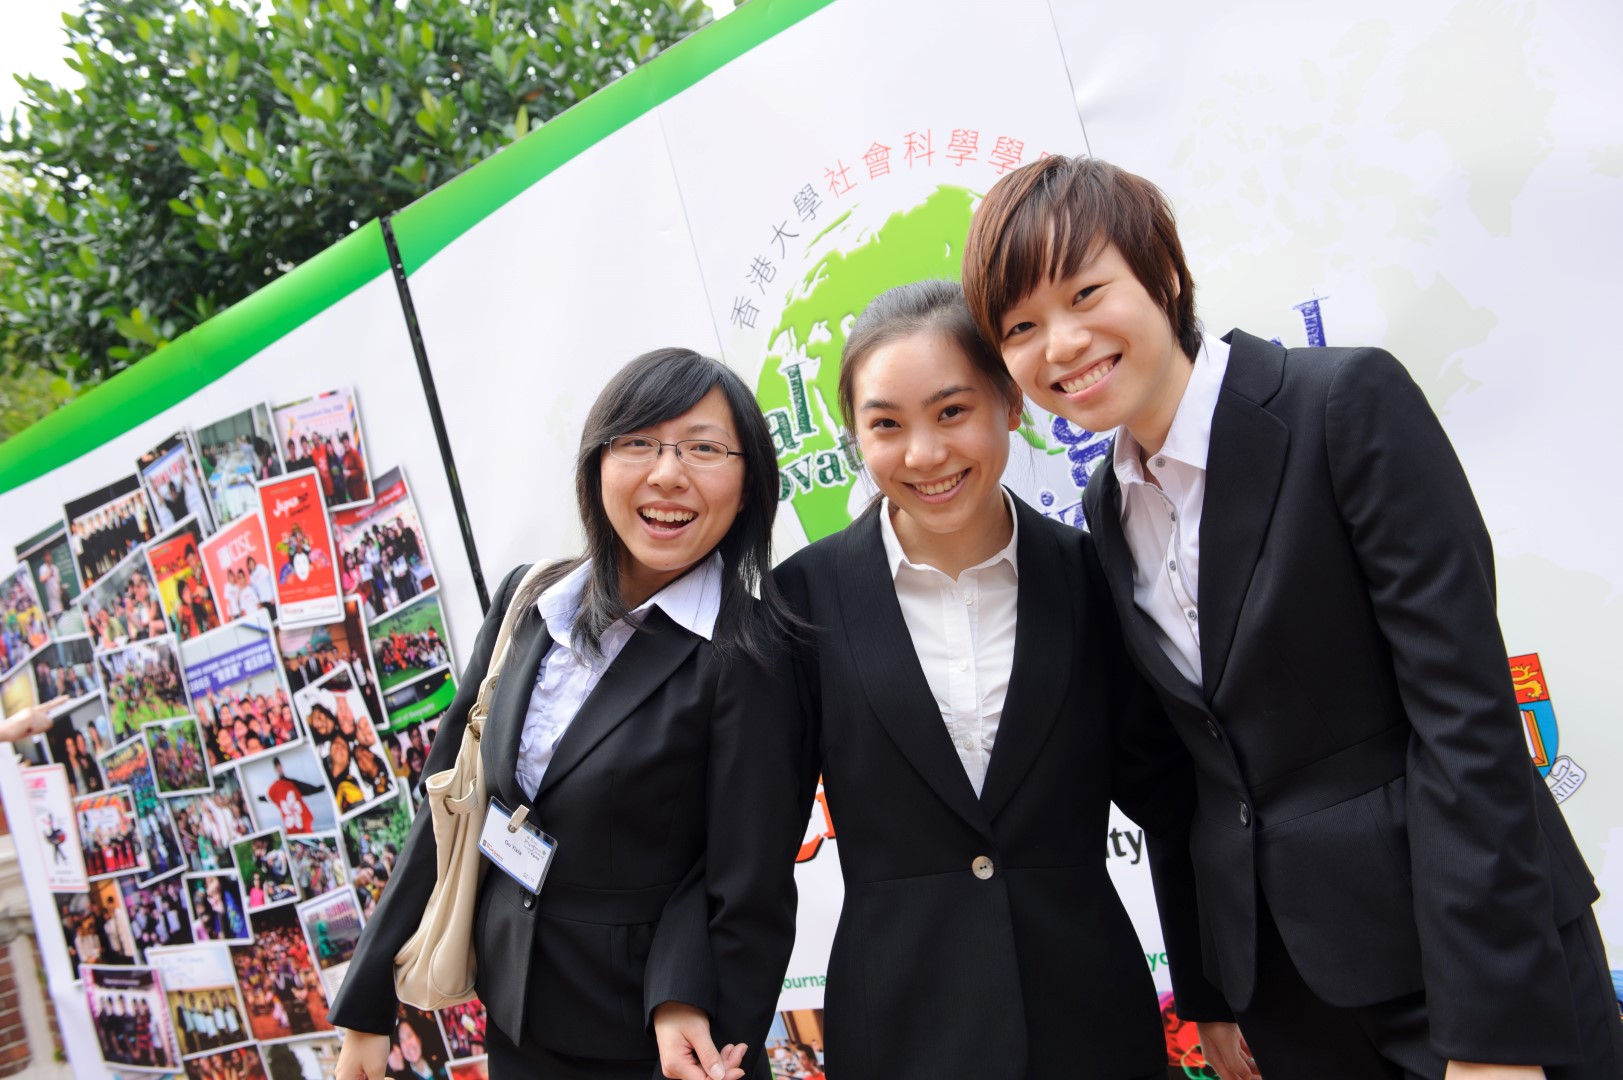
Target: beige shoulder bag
{"points": [[435, 967]]}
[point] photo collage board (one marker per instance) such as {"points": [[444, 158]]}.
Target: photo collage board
{"points": [[245, 659]]}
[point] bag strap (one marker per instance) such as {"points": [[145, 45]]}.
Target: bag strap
{"points": [[498, 657]]}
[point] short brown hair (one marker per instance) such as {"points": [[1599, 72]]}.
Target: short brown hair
{"points": [[1045, 219], [935, 307]]}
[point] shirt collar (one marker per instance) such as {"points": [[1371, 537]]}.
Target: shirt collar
{"points": [[1190, 436], [897, 558], [693, 601]]}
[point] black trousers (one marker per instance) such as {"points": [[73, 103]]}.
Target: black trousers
{"points": [[529, 1061], [1296, 1036]]}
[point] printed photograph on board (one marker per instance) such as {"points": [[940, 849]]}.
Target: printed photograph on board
{"points": [[794, 1044], [477, 1069], [211, 821], [50, 811], [409, 643], [129, 765], [237, 452], [464, 1029], [408, 753], [174, 484], [234, 678], [278, 977], [66, 669], [50, 558], [218, 911], [122, 607], [383, 552], [200, 985], [302, 552], [266, 871], [95, 926], [372, 844], [324, 433], [76, 739], [143, 684], [176, 562], [303, 1059], [289, 788], [131, 1018], [239, 1063], [421, 701], [318, 865], [238, 565], [157, 913], [356, 764], [107, 526], [17, 690], [109, 834], [332, 925], [310, 652], [176, 750], [23, 626], [416, 1050]]}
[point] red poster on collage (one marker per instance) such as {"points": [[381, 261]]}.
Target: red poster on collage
{"points": [[302, 553]]}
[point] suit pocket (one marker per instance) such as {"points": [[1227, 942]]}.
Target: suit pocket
{"points": [[586, 988], [1388, 811]]}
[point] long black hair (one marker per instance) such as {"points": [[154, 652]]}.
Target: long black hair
{"points": [[655, 387]]}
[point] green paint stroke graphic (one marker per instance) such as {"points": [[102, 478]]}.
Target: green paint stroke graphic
{"points": [[798, 386]]}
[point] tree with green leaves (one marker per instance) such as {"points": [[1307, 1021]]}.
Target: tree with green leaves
{"points": [[216, 144]]}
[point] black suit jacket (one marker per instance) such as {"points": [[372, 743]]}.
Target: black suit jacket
{"points": [[676, 767], [937, 971], [1359, 751]]}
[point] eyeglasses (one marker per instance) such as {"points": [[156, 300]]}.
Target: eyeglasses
{"points": [[700, 453]]}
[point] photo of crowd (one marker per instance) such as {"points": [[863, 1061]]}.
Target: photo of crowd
{"points": [[50, 559], [157, 913], [66, 669], [176, 749], [76, 740], [95, 927], [237, 452], [127, 1009], [266, 872], [416, 1050], [123, 606], [129, 765], [234, 678], [308, 653], [109, 834], [464, 1028], [176, 562], [22, 620], [372, 843], [211, 821], [278, 977], [174, 483], [289, 786], [408, 752], [318, 867], [324, 433], [357, 767], [217, 909], [383, 550], [107, 526], [409, 643], [794, 1045], [200, 987], [241, 1063], [143, 684]]}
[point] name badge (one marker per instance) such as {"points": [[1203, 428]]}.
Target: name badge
{"points": [[516, 845]]}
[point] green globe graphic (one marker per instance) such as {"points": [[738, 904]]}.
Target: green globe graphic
{"points": [[799, 381]]}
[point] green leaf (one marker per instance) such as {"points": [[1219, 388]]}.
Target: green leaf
{"points": [[57, 211], [521, 122], [232, 137], [256, 177]]}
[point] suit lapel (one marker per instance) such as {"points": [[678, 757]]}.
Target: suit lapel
{"points": [[505, 725], [654, 652], [1244, 467], [1045, 645], [882, 649], [1117, 559]]}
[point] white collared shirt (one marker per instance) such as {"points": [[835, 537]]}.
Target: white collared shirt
{"points": [[567, 677], [963, 633], [1162, 524]]}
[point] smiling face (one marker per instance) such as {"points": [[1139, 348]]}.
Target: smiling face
{"points": [[1097, 349], [668, 514], [935, 439]]}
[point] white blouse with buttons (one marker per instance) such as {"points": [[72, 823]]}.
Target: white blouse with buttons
{"points": [[1162, 524], [963, 633]]}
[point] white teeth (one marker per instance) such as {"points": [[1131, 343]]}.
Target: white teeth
{"points": [[1087, 378], [941, 487], [668, 515]]}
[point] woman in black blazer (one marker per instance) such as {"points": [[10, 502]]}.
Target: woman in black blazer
{"points": [[973, 715], [644, 721]]}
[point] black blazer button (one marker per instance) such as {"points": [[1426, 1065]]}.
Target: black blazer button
{"points": [[982, 867], [1245, 815], [529, 900], [1211, 729]]}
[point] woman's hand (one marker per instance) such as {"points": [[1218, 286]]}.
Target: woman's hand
{"points": [[1227, 1052], [31, 721], [362, 1057], [685, 1050]]}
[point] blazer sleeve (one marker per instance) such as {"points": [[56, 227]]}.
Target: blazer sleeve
{"points": [[1497, 988], [1152, 779], [366, 1001]]}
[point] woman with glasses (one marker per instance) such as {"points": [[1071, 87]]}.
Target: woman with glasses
{"points": [[644, 721]]}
